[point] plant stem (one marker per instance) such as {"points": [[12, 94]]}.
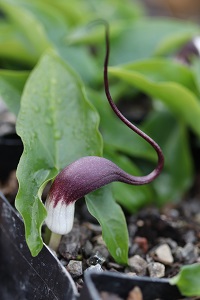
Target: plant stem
{"points": [[134, 180], [47, 235], [55, 241]]}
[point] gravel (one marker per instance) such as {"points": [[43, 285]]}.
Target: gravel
{"points": [[160, 242]]}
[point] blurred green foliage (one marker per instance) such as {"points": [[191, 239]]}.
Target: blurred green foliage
{"points": [[143, 59]]}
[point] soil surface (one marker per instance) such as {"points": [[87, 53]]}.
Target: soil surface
{"points": [[160, 241]]}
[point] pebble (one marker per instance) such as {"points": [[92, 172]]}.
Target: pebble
{"points": [[163, 254], [114, 265], [87, 249], [178, 254], [156, 269], [109, 296], [96, 268], [135, 250], [99, 240], [190, 237], [132, 228], [174, 213], [171, 243], [101, 250], [131, 274], [135, 294], [138, 265], [79, 284], [190, 253], [93, 227], [63, 262], [70, 244], [96, 259], [75, 268], [142, 242], [85, 234]]}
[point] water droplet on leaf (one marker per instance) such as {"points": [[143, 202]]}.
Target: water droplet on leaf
{"points": [[34, 135], [58, 134], [118, 252]]}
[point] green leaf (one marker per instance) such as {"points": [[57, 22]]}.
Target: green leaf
{"points": [[179, 99], [103, 207], [27, 23], [74, 12], [53, 28], [57, 125], [116, 134], [146, 37], [188, 280], [11, 87], [177, 175], [114, 9], [169, 133], [130, 40], [172, 137], [80, 60], [48, 17], [162, 70], [173, 43], [196, 72], [13, 45], [79, 12], [94, 33], [129, 196]]}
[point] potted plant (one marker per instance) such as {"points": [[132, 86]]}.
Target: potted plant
{"points": [[58, 114]]}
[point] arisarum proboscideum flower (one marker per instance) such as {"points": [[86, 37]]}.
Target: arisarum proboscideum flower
{"points": [[90, 173]]}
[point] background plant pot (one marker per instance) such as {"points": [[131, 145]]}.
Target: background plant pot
{"points": [[23, 277], [11, 149], [121, 285]]}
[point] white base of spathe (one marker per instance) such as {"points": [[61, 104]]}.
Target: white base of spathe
{"points": [[60, 218]]}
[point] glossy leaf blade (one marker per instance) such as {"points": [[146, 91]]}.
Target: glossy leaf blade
{"points": [[135, 44], [11, 87], [165, 70], [109, 214], [57, 125], [116, 134], [129, 196], [188, 280], [13, 45], [27, 23], [172, 136], [179, 99]]}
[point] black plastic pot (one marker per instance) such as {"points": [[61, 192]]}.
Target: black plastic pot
{"points": [[120, 285], [11, 149], [23, 277]]}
